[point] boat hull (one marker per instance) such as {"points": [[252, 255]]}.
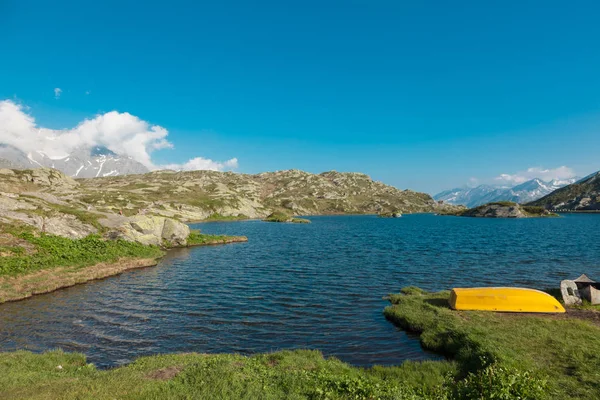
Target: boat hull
{"points": [[506, 299]]}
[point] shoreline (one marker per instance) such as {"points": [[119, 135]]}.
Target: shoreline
{"points": [[49, 280], [22, 287]]}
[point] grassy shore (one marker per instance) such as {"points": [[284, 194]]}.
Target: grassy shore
{"points": [[25, 251], [201, 239], [490, 356], [300, 374], [558, 354], [35, 263]]}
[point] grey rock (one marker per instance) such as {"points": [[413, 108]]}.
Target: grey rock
{"points": [[570, 293], [153, 230]]}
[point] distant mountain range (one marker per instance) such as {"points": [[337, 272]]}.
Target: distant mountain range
{"points": [[579, 196], [482, 194], [81, 163]]}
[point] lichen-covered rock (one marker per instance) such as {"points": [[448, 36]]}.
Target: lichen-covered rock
{"points": [[153, 230], [66, 225], [175, 232], [48, 177]]}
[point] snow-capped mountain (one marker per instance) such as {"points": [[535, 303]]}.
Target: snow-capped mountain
{"points": [[81, 163], [466, 196], [522, 193]]}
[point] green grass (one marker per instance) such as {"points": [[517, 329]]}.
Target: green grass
{"points": [[55, 251], [278, 216], [197, 239], [560, 355], [492, 356], [297, 374]]}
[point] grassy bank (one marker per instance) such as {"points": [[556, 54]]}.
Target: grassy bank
{"points": [[491, 355], [201, 239], [25, 251], [35, 263], [557, 353], [297, 374]]}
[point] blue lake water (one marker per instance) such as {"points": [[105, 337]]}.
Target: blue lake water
{"points": [[314, 286]]}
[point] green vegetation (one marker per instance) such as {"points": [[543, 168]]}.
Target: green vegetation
{"points": [[198, 239], [279, 216], [49, 251], [492, 356], [505, 355], [297, 374]]}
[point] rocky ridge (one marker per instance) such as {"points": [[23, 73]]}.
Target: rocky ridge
{"points": [[141, 207], [583, 195]]}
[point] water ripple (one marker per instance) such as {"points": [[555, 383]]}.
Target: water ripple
{"points": [[317, 286]]}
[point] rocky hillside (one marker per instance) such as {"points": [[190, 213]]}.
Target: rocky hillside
{"points": [[583, 195], [55, 203], [47, 200], [197, 195]]}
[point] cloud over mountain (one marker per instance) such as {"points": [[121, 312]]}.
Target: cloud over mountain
{"points": [[121, 133], [558, 174]]}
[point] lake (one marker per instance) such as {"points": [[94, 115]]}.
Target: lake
{"points": [[318, 286]]}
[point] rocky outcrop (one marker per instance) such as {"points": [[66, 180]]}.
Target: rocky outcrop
{"points": [[152, 230], [505, 210], [495, 210]]}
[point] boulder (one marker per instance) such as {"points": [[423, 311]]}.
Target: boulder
{"points": [[175, 232], [67, 225], [153, 230]]}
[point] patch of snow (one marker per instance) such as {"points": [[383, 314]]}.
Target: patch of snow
{"points": [[100, 169]]}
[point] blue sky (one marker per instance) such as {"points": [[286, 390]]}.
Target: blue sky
{"points": [[422, 95]]}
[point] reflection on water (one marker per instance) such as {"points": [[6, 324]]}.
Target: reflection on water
{"points": [[299, 286]]}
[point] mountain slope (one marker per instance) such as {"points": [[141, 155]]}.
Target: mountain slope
{"points": [[81, 163], [483, 194], [581, 195], [198, 195]]}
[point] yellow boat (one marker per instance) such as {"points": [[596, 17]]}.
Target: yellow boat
{"points": [[509, 299]]}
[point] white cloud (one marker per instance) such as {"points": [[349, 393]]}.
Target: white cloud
{"points": [[203, 163], [57, 93], [87, 92], [559, 173], [121, 133]]}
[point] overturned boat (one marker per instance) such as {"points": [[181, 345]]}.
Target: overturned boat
{"points": [[507, 299]]}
